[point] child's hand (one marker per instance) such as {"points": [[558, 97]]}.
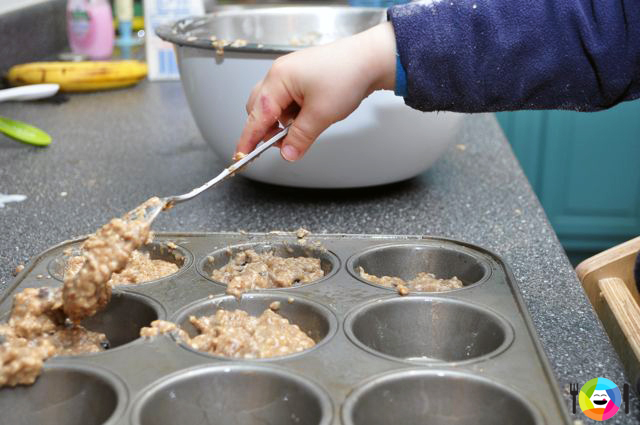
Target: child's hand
{"points": [[317, 87]]}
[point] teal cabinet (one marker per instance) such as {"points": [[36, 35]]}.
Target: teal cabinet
{"points": [[585, 168]]}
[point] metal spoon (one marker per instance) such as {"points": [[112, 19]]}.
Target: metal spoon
{"points": [[150, 210]]}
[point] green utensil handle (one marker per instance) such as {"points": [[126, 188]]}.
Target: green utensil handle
{"points": [[23, 132]]}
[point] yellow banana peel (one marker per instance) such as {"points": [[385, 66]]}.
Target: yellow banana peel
{"points": [[80, 76]]}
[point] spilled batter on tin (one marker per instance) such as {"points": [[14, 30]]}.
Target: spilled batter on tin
{"points": [[44, 322], [36, 330]]}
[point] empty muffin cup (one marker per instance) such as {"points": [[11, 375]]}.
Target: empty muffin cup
{"points": [[65, 395], [437, 398], [123, 317], [425, 329], [407, 260], [233, 394], [329, 263], [156, 250], [314, 319]]}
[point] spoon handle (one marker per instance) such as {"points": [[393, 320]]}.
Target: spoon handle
{"points": [[29, 92], [149, 210], [229, 171]]}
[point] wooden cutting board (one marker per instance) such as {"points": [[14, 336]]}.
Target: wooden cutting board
{"points": [[608, 281]]}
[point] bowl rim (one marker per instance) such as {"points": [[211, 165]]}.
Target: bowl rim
{"points": [[175, 33]]}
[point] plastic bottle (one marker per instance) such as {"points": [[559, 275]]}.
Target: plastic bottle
{"points": [[90, 28], [124, 12]]}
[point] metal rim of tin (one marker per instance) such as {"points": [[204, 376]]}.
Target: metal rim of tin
{"points": [[110, 378], [145, 299], [324, 311], [350, 403], [186, 254], [177, 32], [358, 310], [321, 254], [315, 389], [435, 244]]}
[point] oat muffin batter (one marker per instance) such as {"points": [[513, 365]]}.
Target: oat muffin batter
{"points": [[239, 335], [423, 282], [247, 270], [105, 252], [159, 327], [37, 330], [141, 268], [44, 321]]}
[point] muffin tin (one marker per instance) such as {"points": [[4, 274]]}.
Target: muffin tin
{"points": [[465, 356]]}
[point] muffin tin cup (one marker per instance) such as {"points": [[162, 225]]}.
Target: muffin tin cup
{"points": [[314, 319], [220, 257], [233, 394], [157, 251], [66, 394], [120, 321], [428, 330], [124, 316], [407, 260], [450, 355], [447, 398]]}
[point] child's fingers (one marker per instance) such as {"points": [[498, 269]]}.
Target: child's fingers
{"points": [[275, 129], [267, 105], [252, 97], [289, 114], [303, 132]]}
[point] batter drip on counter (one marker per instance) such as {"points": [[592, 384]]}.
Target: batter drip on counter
{"points": [[247, 270], [237, 334], [423, 282]]}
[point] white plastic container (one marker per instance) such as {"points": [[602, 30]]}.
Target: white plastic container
{"points": [[159, 54]]}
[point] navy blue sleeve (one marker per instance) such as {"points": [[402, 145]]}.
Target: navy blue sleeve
{"points": [[497, 55]]}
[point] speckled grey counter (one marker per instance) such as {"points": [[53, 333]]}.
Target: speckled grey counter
{"points": [[113, 150]]}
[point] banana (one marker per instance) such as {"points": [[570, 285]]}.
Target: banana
{"points": [[79, 76]]}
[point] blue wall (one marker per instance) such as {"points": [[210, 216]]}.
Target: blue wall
{"points": [[585, 168]]}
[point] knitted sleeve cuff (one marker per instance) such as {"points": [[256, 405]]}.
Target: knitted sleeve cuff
{"points": [[401, 79]]}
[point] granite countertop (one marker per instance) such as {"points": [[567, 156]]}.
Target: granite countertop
{"points": [[114, 149]]}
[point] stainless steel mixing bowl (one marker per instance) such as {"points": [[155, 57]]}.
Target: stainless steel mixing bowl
{"points": [[383, 141]]}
